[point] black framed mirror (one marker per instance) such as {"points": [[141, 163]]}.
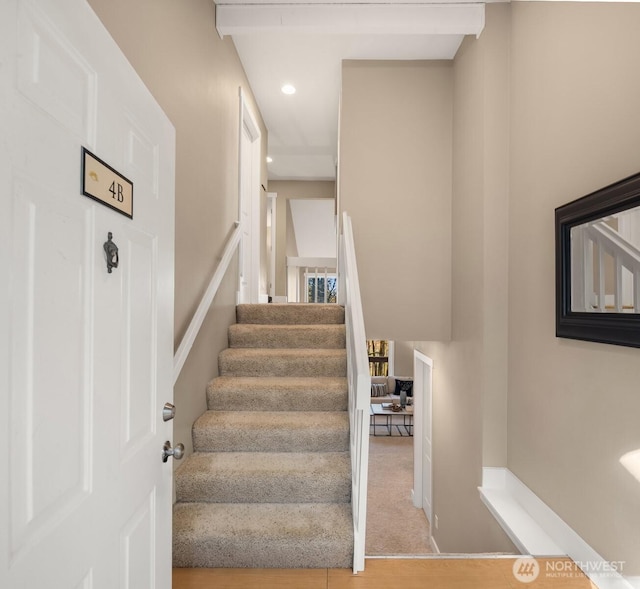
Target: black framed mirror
{"points": [[598, 265]]}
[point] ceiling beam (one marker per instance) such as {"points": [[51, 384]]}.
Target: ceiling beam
{"points": [[389, 19]]}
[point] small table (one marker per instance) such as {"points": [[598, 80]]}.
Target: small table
{"points": [[384, 410]]}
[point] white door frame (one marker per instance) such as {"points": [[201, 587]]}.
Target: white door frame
{"points": [[249, 252], [423, 417]]}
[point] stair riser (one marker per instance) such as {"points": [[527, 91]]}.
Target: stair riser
{"points": [[276, 401], [283, 366], [277, 394], [272, 440], [273, 488], [263, 535], [271, 336], [290, 314], [234, 552]]}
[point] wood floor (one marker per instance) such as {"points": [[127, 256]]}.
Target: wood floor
{"points": [[431, 573]]}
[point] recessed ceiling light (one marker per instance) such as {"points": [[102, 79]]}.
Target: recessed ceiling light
{"points": [[269, 159], [288, 89]]}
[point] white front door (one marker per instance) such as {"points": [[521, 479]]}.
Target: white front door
{"points": [[86, 355]]}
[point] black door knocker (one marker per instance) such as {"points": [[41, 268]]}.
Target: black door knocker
{"points": [[111, 249]]}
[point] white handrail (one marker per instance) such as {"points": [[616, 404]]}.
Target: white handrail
{"points": [[359, 388], [203, 308]]}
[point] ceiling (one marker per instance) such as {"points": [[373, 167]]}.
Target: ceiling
{"points": [[303, 44]]}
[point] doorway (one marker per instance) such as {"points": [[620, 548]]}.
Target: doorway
{"points": [[271, 243], [397, 523], [249, 205], [423, 444]]}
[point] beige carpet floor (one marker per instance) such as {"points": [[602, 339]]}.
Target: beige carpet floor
{"points": [[394, 525]]}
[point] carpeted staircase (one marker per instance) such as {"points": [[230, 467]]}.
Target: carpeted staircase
{"points": [[269, 483]]}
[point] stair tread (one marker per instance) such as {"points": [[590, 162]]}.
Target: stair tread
{"points": [[310, 535]]}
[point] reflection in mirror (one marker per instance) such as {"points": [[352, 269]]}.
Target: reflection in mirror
{"points": [[598, 265], [605, 264]]}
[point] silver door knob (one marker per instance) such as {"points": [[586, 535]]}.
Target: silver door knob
{"points": [[167, 450], [168, 412]]}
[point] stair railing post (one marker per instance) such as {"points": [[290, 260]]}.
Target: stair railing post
{"points": [[359, 388]]}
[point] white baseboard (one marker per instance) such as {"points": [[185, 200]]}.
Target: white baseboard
{"points": [[537, 530]]}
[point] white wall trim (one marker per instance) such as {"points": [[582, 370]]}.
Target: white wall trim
{"points": [[536, 529], [398, 19], [420, 356], [329, 263]]}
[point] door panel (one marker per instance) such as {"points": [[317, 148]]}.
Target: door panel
{"points": [[138, 345], [49, 471], [137, 544], [54, 75]]}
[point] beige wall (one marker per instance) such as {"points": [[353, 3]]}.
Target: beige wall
{"points": [[469, 376], [287, 189], [402, 359], [395, 182], [574, 407], [195, 77]]}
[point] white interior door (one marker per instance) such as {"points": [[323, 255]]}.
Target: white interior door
{"points": [[427, 445], [246, 245], [249, 205], [271, 241], [423, 433], [86, 356]]}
